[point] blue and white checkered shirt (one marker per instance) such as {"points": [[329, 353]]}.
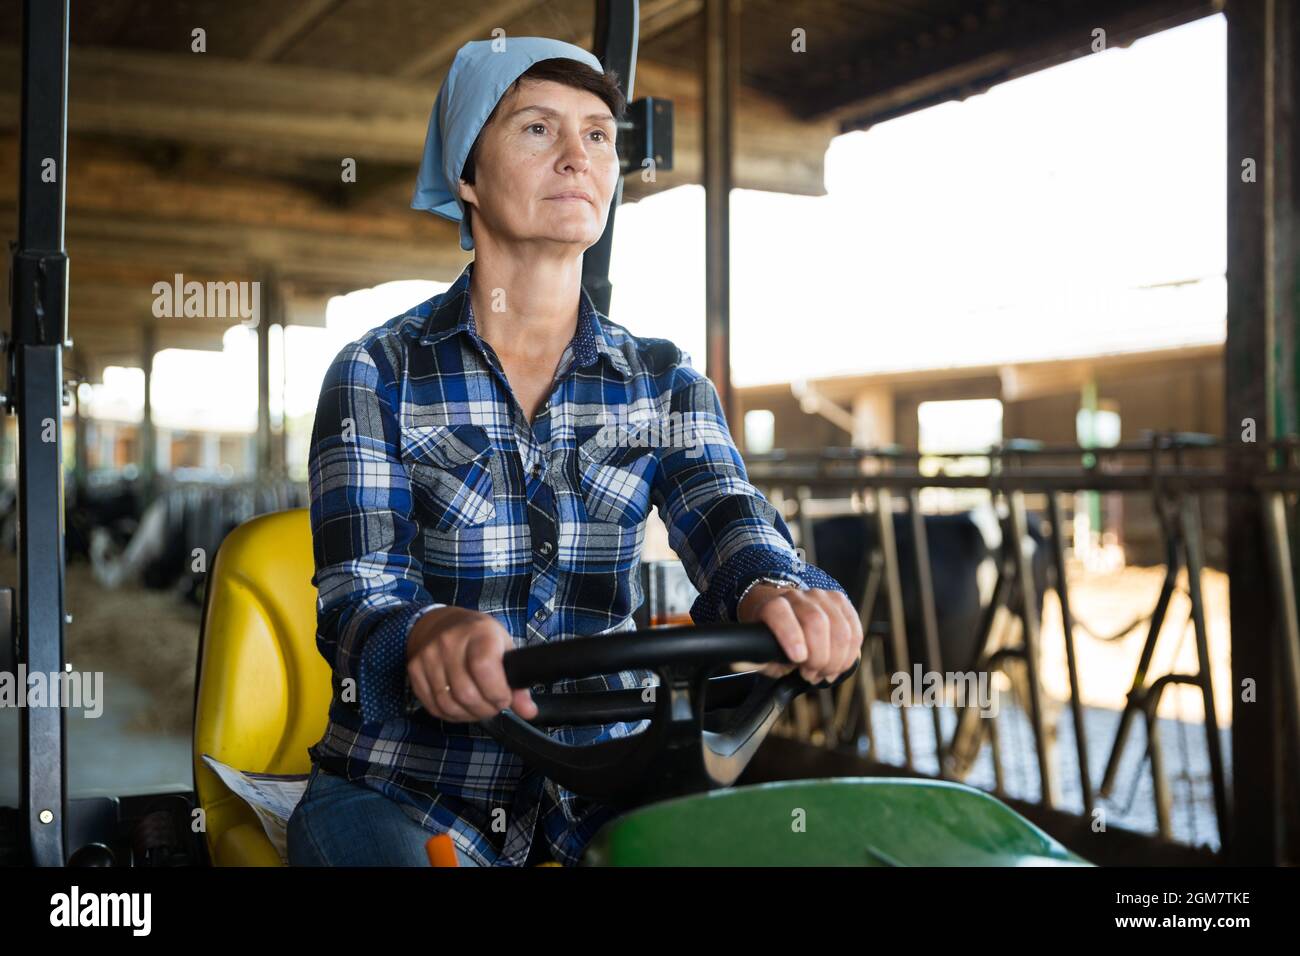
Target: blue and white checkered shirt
{"points": [[429, 487]]}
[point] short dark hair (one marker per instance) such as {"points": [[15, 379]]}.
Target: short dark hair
{"points": [[558, 70]]}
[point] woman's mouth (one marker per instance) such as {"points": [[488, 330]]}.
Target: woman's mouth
{"points": [[570, 197]]}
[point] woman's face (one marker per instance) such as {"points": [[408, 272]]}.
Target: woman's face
{"points": [[546, 141]]}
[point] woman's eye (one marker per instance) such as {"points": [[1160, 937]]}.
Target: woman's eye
{"points": [[537, 125], [601, 134]]}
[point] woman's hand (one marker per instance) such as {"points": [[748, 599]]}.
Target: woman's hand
{"points": [[454, 661], [818, 629]]}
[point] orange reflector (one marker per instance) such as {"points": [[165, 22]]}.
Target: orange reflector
{"points": [[671, 620], [441, 850]]}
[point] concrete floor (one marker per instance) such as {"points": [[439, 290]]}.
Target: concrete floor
{"points": [[108, 754]]}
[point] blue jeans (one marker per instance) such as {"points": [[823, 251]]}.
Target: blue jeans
{"points": [[340, 823]]}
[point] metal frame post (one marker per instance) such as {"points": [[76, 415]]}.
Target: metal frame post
{"points": [[615, 37], [39, 311]]}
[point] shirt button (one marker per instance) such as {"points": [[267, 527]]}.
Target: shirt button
{"points": [[539, 613], [546, 548]]}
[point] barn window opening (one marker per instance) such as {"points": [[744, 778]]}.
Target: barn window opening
{"points": [[760, 431], [948, 428]]}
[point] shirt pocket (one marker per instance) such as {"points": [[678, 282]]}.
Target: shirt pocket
{"points": [[450, 467], [615, 481]]}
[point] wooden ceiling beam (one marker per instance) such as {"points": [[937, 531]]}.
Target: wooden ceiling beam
{"points": [[774, 152], [293, 23], [976, 50], [245, 111], [476, 24], [226, 103]]}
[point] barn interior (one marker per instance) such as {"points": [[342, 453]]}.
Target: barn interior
{"points": [[277, 144]]}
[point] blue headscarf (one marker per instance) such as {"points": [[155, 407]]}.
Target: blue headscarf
{"points": [[479, 76]]}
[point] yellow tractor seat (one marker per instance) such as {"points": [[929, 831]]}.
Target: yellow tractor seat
{"points": [[263, 688]]}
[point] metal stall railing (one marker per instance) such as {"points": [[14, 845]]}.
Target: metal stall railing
{"points": [[1171, 468]]}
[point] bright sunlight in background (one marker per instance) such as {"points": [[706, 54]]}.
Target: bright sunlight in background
{"points": [[1077, 211]]}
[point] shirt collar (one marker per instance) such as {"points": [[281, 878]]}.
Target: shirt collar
{"points": [[453, 314]]}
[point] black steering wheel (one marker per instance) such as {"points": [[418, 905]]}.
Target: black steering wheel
{"points": [[703, 729]]}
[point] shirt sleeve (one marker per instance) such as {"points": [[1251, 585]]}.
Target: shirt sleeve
{"points": [[367, 547], [725, 531]]}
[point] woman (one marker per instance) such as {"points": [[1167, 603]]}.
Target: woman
{"points": [[467, 497]]}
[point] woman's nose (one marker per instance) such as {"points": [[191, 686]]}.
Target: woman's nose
{"points": [[573, 151]]}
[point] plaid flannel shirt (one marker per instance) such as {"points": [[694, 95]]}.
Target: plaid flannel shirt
{"points": [[429, 487]]}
